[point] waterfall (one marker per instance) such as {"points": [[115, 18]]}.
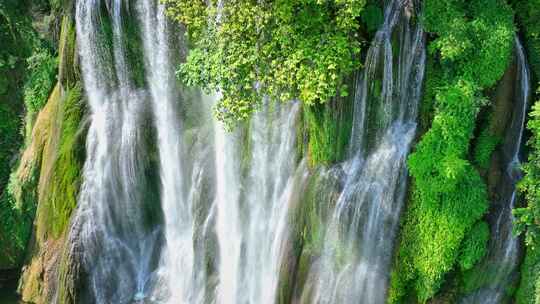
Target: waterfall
{"points": [[270, 187], [178, 258], [252, 210], [220, 231], [113, 207], [228, 213], [501, 263], [358, 242]]}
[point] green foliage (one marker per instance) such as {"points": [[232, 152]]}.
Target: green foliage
{"points": [[485, 145], [42, 68], [283, 49], [434, 78], [10, 140], [474, 246], [17, 209], [372, 17], [529, 287], [17, 40], [474, 43], [527, 219], [27, 68]]}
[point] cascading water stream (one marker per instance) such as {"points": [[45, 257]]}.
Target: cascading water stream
{"points": [[228, 213], [251, 177], [177, 267], [359, 238], [500, 265], [118, 245], [252, 210], [269, 186]]}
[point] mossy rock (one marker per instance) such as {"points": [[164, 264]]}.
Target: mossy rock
{"points": [[68, 70], [327, 128], [63, 161]]}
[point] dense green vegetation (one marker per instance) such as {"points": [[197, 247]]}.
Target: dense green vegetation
{"points": [[17, 209], [528, 217], [12, 73], [283, 50], [473, 43], [42, 75], [27, 75]]}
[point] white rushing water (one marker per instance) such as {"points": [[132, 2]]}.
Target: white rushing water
{"points": [[115, 239], [500, 265], [358, 242], [178, 257], [252, 210], [221, 231], [270, 188], [228, 213]]}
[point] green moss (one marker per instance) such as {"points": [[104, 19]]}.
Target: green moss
{"points": [[328, 127], [318, 201], [131, 45], [61, 196], [485, 145], [68, 70], [134, 49]]}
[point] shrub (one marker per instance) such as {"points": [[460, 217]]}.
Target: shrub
{"points": [[42, 68], [473, 43], [281, 49]]}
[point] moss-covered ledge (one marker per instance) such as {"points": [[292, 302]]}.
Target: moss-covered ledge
{"points": [[325, 129]]}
